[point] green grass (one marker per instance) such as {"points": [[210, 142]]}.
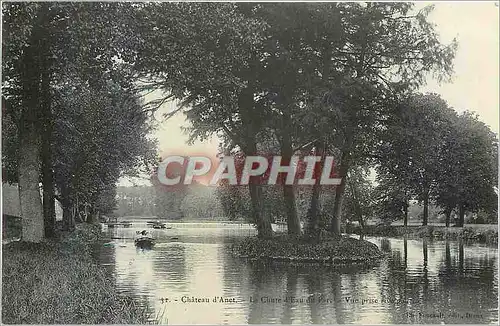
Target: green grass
{"points": [[329, 251], [59, 282]]}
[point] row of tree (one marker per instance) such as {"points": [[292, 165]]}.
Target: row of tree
{"points": [[194, 202], [72, 118], [338, 79], [325, 77], [427, 154], [329, 78], [434, 155]]}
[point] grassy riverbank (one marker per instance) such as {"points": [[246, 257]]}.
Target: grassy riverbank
{"points": [[486, 234], [59, 282], [329, 251]]}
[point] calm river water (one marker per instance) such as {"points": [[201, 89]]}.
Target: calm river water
{"points": [[419, 281]]}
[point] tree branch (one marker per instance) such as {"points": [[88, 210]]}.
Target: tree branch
{"points": [[305, 145]]}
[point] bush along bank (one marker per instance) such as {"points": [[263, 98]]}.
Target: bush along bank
{"points": [[338, 252], [60, 283], [483, 235]]}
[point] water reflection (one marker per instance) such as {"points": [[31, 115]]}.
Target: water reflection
{"points": [[171, 275], [385, 245], [420, 281]]}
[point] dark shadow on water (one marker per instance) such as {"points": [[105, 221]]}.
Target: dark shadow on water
{"points": [[428, 276], [170, 262], [385, 245], [291, 290]]}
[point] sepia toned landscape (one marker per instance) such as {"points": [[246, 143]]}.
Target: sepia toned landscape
{"points": [[396, 101]]}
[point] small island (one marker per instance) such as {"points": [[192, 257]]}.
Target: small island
{"points": [[329, 251]]}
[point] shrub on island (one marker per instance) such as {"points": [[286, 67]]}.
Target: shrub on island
{"points": [[334, 251]]}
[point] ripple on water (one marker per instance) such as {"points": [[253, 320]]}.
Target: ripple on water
{"points": [[431, 277]]}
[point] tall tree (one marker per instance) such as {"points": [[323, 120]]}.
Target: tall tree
{"points": [[297, 61], [25, 54], [45, 46], [412, 147], [393, 196], [101, 133], [359, 203], [467, 169], [388, 49], [208, 64]]}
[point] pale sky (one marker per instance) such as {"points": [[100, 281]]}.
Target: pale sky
{"points": [[475, 84]]}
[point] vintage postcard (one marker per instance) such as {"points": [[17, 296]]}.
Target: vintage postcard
{"points": [[250, 162]]}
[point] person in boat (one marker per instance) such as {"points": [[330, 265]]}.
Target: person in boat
{"points": [[143, 232]]}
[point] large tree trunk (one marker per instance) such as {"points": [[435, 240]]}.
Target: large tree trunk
{"points": [[359, 212], [405, 221], [29, 190], [313, 212], [461, 216], [264, 229], [426, 208], [35, 77], [49, 208], [92, 216], [68, 208], [293, 222], [447, 213], [68, 217], [339, 194], [29, 141], [262, 221], [335, 225], [248, 144]]}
